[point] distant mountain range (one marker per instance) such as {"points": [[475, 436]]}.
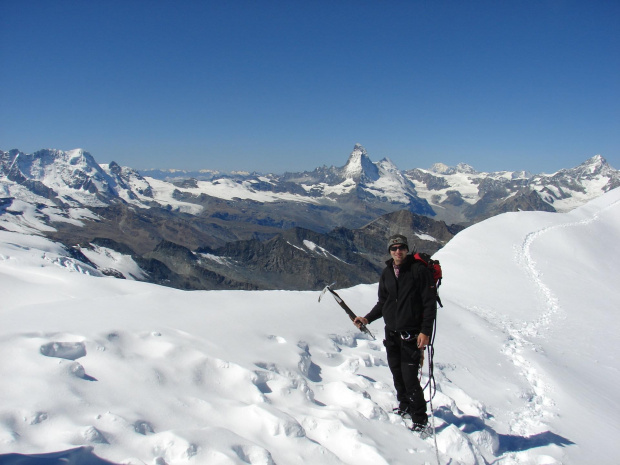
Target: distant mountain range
{"points": [[454, 194], [207, 230]]}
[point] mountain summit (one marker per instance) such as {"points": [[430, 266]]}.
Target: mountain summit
{"points": [[359, 167]]}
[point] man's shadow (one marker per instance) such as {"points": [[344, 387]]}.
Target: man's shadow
{"points": [[507, 443]]}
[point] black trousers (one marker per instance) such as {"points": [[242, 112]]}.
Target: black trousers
{"points": [[404, 361]]}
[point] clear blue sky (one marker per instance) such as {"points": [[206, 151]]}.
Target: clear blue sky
{"points": [[278, 86]]}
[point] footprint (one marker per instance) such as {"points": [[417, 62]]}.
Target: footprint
{"points": [[35, 418], [78, 371], [143, 427], [66, 350], [170, 448], [94, 436], [254, 455], [307, 367], [278, 339], [282, 379]]}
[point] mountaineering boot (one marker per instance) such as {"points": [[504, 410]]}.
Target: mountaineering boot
{"points": [[402, 409], [419, 421], [418, 427], [399, 411], [416, 423]]}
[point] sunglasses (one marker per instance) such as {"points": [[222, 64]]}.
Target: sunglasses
{"points": [[394, 248]]}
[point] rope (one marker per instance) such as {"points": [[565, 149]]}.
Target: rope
{"points": [[431, 376], [432, 385], [431, 364]]}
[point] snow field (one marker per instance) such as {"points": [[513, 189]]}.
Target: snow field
{"points": [[525, 357]]}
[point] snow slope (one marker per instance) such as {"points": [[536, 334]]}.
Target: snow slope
{"points": [[546, 285], [524, 359]]}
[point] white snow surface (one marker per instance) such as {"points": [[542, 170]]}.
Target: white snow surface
{"points": [[30, 214], [460, 181], [223, 188], [109, 259], [525, 358]]}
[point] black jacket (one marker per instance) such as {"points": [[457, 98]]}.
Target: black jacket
{"points": [[407, 303]]}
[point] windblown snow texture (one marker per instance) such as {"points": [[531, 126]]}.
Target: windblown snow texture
{"points": [[129, 372]]}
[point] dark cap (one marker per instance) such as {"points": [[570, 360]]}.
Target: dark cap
{"points": [[397, 239]]}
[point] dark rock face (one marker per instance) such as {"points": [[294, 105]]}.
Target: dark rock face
{"points": [[295, 259], [306, 260], [299, 259], [454, 198], [432, 183]]}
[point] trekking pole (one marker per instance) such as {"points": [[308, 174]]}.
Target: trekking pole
{"points": [[345, 307]]}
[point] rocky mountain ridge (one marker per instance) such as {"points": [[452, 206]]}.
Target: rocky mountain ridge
{"points": [[457, 194], [255, 231]]}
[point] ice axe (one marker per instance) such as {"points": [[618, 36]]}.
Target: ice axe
{"points": [[345, 307]]}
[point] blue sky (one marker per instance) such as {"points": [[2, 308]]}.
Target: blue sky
{"points": [[278, 86]]}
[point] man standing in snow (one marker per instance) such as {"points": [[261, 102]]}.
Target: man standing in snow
{"points": [[408, 306]]}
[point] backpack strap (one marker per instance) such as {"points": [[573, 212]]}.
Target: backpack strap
{"points": [[434, 267]]}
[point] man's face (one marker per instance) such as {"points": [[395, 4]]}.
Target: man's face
{"points": [[398, 253]]}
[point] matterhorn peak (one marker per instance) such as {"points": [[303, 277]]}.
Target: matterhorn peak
{"points": [[359, 148], [359, 166]]}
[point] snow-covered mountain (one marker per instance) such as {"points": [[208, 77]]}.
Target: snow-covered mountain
{"points": [[362, 187], [359, 167], [461, 194], [525, 359], [231, 231], [71, 179]]}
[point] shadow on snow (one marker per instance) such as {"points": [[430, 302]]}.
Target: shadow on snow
{"points": [[507, 443], [79, 456]]}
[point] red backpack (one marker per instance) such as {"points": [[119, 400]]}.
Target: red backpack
{"points": [[434, 267]]}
